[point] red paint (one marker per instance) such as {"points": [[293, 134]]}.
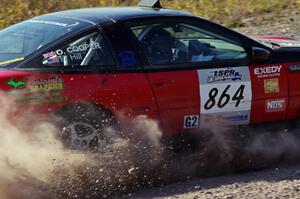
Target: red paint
{"points": [[128, 95], [165, 96], [177, 95]]}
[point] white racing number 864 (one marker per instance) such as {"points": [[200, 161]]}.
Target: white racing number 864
{"points": [[226, 94]]}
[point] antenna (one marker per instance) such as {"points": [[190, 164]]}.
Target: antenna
{"points": [[150, 3]]}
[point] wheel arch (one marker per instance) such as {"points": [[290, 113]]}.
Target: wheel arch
{"points": [[93, 105]]}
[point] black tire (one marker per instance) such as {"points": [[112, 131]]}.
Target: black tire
{"points": [[86, 127]]}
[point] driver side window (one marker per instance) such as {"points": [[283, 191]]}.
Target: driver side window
{"points": [[88, 50], [179, 43]]}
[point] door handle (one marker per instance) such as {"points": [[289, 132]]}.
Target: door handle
{"points": [[159, 83], [294, 68]]}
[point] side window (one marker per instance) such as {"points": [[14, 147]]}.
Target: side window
{"points": [[178, 43], [88, 50]]}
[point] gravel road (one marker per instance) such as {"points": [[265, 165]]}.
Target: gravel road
{"points": [[280, 182]]}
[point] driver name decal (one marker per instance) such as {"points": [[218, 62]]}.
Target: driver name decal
{"points": [[71, 53], [84, 47]]}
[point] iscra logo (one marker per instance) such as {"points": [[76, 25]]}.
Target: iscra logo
{"points": [[223, 75]]}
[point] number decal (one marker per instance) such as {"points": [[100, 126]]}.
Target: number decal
{"points": [[191, 121], [224, 98], [212, 99], [239, 95]]}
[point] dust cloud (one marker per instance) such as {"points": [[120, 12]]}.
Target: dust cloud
{"points": [[234, 150], [34, 164]]}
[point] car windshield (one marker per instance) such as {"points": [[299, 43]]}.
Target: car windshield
{"points": [[20, 40]]}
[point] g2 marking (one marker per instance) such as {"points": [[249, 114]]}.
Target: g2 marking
{"points": [[191, 121]]}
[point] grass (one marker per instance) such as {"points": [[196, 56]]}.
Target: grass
{"points": [[228, 12]]}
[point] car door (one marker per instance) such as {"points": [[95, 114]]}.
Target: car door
{"points": [[86, 68], [200, 74]]}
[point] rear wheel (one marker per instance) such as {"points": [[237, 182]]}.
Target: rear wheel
{"points": [[87, 127]]}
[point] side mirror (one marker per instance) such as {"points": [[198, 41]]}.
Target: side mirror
{"points": [[260, 55]]}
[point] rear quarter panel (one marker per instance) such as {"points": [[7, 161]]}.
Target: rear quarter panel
{"points": [[128, 95]]}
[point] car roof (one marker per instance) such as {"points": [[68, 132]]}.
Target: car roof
{"points": [[105, 14]]}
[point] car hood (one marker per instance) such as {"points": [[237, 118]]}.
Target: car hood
{"points": [[278, 41]]}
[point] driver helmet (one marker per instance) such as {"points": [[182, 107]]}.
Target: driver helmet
{"points": [[160, 46]]}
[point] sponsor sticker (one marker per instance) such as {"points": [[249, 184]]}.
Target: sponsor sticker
{"points": [[16, 84], [294, 67], [271, 86], [53, 83], [237, 118], [211, 119], [51, 58], [275, 105], [267, 71], [224, 119], [44, 98], [46, 84], [223, 75], [37, 91], [127, 58], [191, 121]]}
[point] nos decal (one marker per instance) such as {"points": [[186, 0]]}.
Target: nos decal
{"points": [[225, 95]]}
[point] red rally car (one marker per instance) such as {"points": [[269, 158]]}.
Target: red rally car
{"points": [[182, 70]]}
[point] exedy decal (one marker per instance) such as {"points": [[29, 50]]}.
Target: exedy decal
{"points": [[268, 71], [16, 84], [223, 75]]}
